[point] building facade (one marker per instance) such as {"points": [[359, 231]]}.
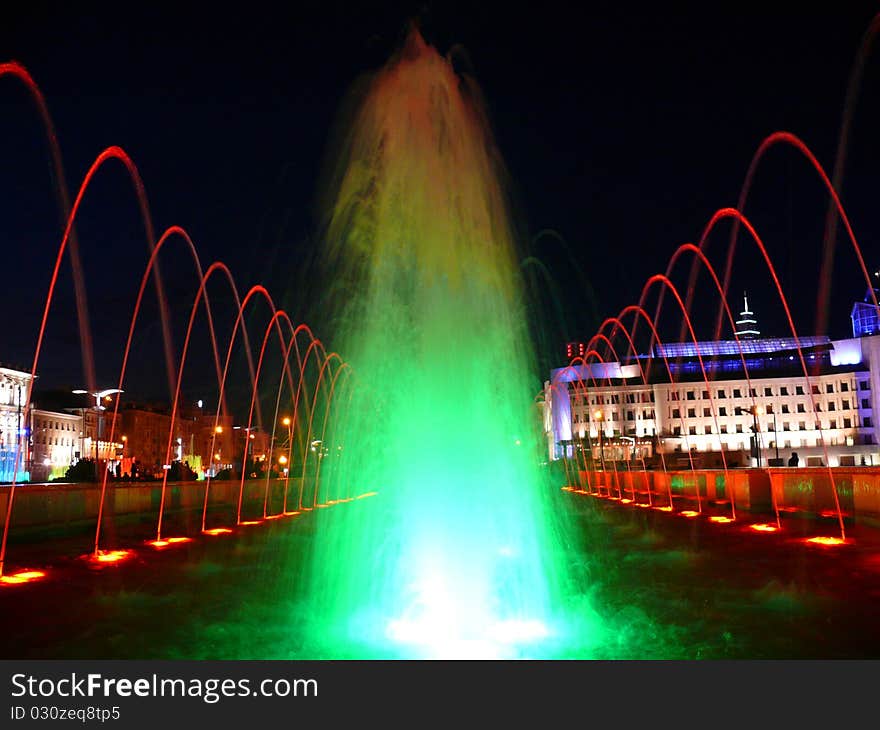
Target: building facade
{"points": [[14, 456], [761, 400], [56, 443]]}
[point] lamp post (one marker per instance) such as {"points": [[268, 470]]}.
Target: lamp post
{"points": [[776, 437], [600, 417], [755, 411], [98, 396]]}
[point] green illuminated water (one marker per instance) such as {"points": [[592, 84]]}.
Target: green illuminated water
{"points": [[459, 554]]}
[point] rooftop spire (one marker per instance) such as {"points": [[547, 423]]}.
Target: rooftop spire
{"points": [[746, 325]]}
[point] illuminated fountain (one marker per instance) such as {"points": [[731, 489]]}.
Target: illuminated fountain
{"points": [[458, 555]]}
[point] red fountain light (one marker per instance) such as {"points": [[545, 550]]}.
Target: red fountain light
{"points": [[764, 527], [825, 541], [104, 557], [22, 576], [166, 541]]}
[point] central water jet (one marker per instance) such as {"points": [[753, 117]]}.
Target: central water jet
{"points": [[459, 554]]}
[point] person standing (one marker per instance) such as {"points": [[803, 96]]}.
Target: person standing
{"points": [[794, 460]]}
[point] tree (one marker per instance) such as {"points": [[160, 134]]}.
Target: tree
{"points": [[82, 471]]}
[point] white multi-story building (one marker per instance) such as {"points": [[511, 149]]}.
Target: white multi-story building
{"points": [[818, 400], [56, 439], [13, 424]]}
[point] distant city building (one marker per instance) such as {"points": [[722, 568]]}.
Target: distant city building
{"points": [[574, 349], [56, 440], [612, 413], [865, 319], [13, 424]]}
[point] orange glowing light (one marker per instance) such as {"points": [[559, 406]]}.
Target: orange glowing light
{"points": [[291, 514], [273, 517], [23, 576], [643, 504], [625, 500], [688, 513], [721, 518], [111, 556], [827, 541], [368, 494], [158, 543], [764, 527], [218, 531], [250, 522], [568, 489], [668, 508]]}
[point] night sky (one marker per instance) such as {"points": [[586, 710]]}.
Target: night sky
{"points": [[623, 127]]}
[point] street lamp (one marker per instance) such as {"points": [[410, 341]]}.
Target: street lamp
{"points": [[776, 437], [600, 417], [98, 396], [755, 411]]}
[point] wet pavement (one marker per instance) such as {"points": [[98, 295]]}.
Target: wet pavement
{"points": [[655, 585]]}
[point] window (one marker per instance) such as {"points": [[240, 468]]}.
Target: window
{"points": [[802, 425], [783, 390], [799, 390], [786, 426], [739, 428], [844, 404], [705, 395], [829, 387], [676, 413], [722, 394], [769, 409], [847, 423], [752, 393], [692, 430], [866, 404], [768, 392], [723, 428], [844, 387], [692, 412], [722, 411], [691, 395], [867, 422], [706, 413], [814, 389], [785, 408], [832, 406], [832, 423], [677, 431], [737, 393], [801, 408], [864, 385], [630, 416], [708, 429]]}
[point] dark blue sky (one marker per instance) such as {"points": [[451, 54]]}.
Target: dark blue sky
{"points": [[623, 127]]}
